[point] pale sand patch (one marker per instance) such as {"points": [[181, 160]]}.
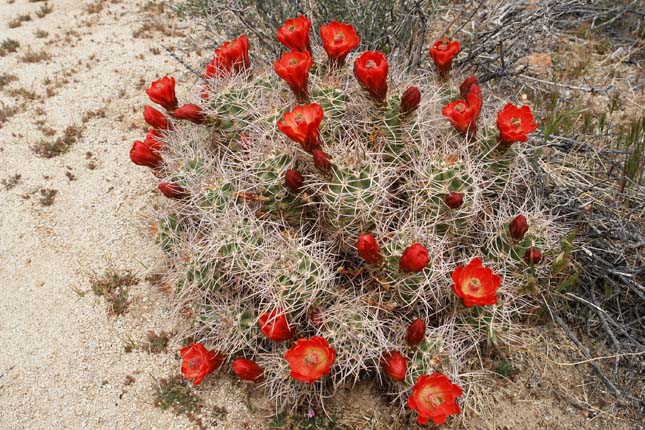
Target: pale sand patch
{"points": [[63, 363]]}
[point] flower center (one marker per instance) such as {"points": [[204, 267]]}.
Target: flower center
{"points": [[435, 400], [292, 27], [299, 119], [293, 62], [194, 363], [312, 358], [370, 64], [460, 107], [474, 284], [443, 46], [339, 37], [516, 122]]}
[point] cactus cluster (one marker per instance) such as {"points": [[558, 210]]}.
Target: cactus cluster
{"points": [[337, 226]]}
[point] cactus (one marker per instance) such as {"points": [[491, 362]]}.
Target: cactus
{"points": [[249, 240]]}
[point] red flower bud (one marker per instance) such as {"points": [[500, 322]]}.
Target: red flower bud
{"points": [[338, 40], [148, 152], [316, 317], [294, 68], [532, 256], [294, 34], [321, 161], [465, 86], [197, 362], [410, 100], [301, 125], [514, 124], [190, 112], [371, 71], [414, 259], [395, 365], [274, 325], [518, 227], [293, 180], [155, 118], [368, 249], [416, 332], [453, 199], [442, 53], [173, 191], [248, 370], [162, 92]]}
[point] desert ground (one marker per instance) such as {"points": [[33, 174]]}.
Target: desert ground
{"points": [[76, 81]]}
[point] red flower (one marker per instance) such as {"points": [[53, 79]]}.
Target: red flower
{"points": [[462, 117], [338, 40], [148, 152], [475, 284], [190, 112], [410, 100], [172, 191], [321, 161], [514, 123], [433, 397], [532, 256], [274, 325], [466, 85], [395, 365], [414, 259], [368, 249], [162, 92], [294, 68], [518, 227], [301, 125], [442, 53], [371, 71], [155, 118], [453, 199], [248, 370], [416, 332], [197, 362], [231, 57], [293, 180], [310, 359], [294, 34]]}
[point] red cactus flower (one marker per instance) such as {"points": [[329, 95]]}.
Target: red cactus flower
{"points": [[453, 199], [155, 118], [462, 117], [368, 249], [197, 362], [293, 180], [473, 96], [274, 325], [148, 152], [321, 161], [294, 34], [248, 370], [532, 256], [518, 227], [338, 40], [190, 112], [310, 359], [433, 397], [231, 57], [514, 124], [414, 259], [371, 70], [476, 284], [301, 125], [162, 92], [410, 100], [294, 68], [395, 365], [466, 85], [442, 53], [173, 191], [416, 332]]}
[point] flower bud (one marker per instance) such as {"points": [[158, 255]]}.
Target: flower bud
{"points": [[416, 332], [293, 180], [190, 112], [321, 161], [248, 370], [518, 227], [395, 365], [453, 199], [532, 256], [414, 259], [368, 249], [173, 191], [410, 100], [162, 92], [464, 88], [155, 118], [274, 325]]}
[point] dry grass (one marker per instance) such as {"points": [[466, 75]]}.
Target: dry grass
{"points": [[17, 21], [44, 10], [61, 145], [115, 288], [31, 56], [8, 46], [41, 34], [6, 79]]}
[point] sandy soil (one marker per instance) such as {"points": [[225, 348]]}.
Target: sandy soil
{"points": [[63, 363]]}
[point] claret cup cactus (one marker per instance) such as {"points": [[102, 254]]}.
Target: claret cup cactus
{"points": [[332, 219]]}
